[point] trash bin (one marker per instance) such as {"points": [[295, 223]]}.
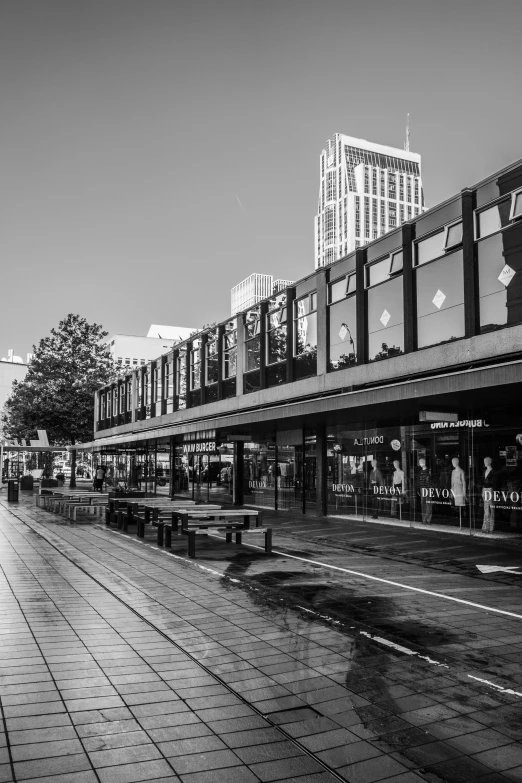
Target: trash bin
{"points": [[12, 490]]}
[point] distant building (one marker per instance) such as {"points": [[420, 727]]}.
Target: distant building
{"points": [[365, 190], [253, 289], [10, 371], [135, 350]]}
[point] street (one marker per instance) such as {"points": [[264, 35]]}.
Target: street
{"points": [[355, 652]]}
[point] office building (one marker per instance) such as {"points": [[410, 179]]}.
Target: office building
{"points": [[135, 350], [254, 289], [365, 190], [385, 386]]}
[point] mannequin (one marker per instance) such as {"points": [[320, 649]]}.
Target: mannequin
{"points": [[424, 481], [376, 480], [398, 481], [458, 483], [488, 525]]}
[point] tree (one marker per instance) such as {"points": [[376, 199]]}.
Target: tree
{"points": [[57, 394]]}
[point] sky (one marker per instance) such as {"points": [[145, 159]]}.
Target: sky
{"points": [[154, 153]]}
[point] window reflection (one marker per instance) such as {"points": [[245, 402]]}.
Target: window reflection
{"points": [[343, 334], [305, 336], [386, 320], [230, 350], [492, 219], [500, 279], [252, 339], [430, 248], [211, 359], [440, 301]]}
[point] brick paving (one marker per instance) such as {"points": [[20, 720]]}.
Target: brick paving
{"points": [[119, 662]]}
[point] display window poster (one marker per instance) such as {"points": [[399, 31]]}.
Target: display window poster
{"points": [[511, 456]]}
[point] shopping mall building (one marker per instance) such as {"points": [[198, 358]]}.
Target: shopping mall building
{"points": [[386, 386]]}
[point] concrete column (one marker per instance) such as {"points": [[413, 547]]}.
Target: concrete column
{"points": [[410, 310], [322, 471], [238, 473], [263, 310], [221, 347], [240, 354], [362, 320], [471, 309], [290, 298], [322, 322]]}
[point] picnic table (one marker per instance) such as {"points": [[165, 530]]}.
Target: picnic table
{"points": [[200, 521], [70, 501]]}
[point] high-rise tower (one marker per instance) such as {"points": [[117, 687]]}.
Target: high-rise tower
{"points": [[365, 190]]}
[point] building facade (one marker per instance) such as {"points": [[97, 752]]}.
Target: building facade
{"points": [[253, 290], [135, 350], [10, 371], [365, 190], [385, 386]]}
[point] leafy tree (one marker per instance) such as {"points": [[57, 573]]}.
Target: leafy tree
{"points": [[57, 394]]}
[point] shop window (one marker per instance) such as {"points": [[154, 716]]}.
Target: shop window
{"points": [[386, 320], [516, 205], [342, 315], [305, 336], [500, 280], [440, 300], [453, 235], [276, 374]]}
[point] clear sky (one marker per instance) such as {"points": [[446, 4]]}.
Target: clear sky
{"points": [[153, 153]]}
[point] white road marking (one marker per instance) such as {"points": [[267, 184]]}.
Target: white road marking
{"points": [[400, 648], [490, 569], [494, 685]]}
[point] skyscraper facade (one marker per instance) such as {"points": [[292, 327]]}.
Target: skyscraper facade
{"points": [[253, 289], [365, 190]]}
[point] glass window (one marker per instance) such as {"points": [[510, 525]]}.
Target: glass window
{"points": [[305, 336], [129, 394], [181, 378], [230, 351], [211, 355], [500, 279], [115, 401], [276, 330], [341, 288], [491, 220], [440, 301], [195, 365], [252, 339], [121, 398], [453, 235], [158, 396], [168, 384], [516, 205], [430, 248], [343, 333], [396, 262], [383, 269], [108, 404], [386, 320]]}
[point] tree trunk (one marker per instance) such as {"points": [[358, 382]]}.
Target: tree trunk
{"points": [[72, 482]]}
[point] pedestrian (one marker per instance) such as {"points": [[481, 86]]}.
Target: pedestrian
{"points": [[99, 477]]}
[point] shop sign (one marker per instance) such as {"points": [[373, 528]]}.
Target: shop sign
{"points": [[396, 445], [496, 496], [438, 416], [443, 497], [203, 447], [344, 489], [387, 491], [371, 441], [444, 425], [261, 484]]}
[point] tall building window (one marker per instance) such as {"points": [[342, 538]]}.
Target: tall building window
{"points": [[305, 335], [330, 186], [401, 187], [392, 189], [374, 182], [409, 190], [366, 180], [416, 190], [381, 178]]}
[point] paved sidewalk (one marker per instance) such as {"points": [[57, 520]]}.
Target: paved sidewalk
{"points": [[122, 663]]}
